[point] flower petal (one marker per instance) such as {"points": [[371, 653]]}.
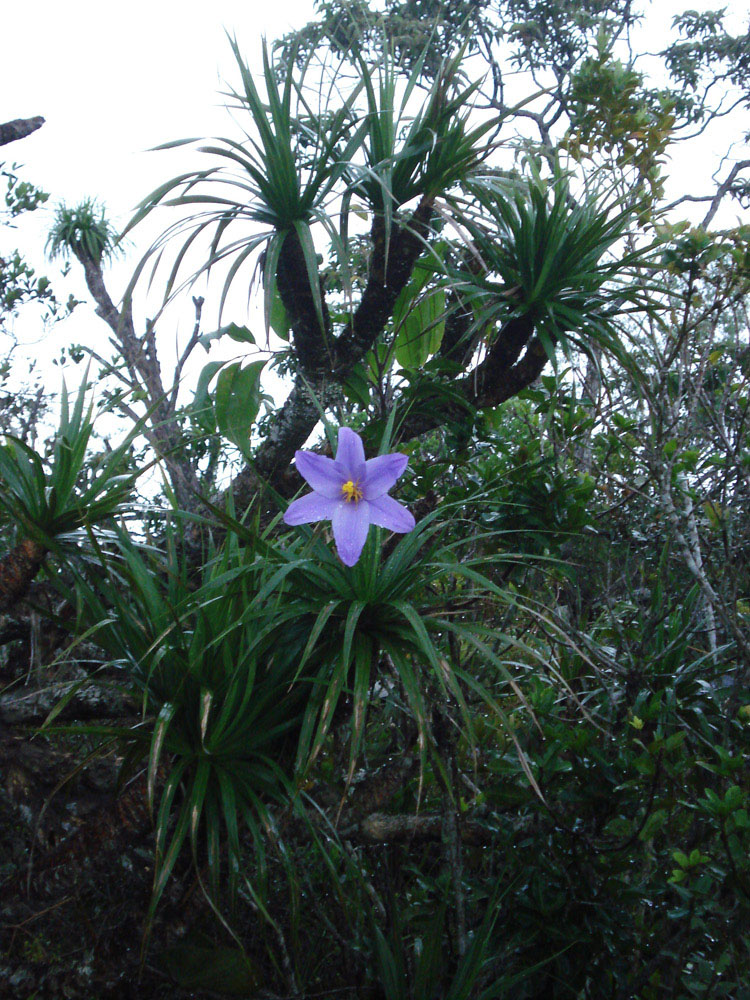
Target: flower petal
{"points": [[351, 522], [389, 513], [312, 507], [320, 472], [350, 455], [381, 473]]}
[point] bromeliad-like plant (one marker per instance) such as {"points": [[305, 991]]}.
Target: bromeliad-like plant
{"points": [[280, 178], [241, 671], [296, 159], [47, 501], [84, 231], [222, 717], [420, 155], [428, 976], [388, 616], [547, 258]]}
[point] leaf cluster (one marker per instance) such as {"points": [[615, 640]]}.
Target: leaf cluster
{"points": [[47, 498]]}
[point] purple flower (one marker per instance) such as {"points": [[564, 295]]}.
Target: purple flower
{"points": [[350, 492]]}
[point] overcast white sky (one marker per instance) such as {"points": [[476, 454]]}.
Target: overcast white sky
{"points": [[113, 80]]}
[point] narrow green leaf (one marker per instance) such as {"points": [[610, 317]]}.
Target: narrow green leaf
{"points": [[162, 724]]}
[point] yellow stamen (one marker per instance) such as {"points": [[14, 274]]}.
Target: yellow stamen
{"points": [[351, 491]]}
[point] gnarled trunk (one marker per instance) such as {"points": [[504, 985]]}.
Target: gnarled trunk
{"points": [[17, 571]]}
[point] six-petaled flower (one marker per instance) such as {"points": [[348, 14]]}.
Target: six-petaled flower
{"points": [[351, 493]]}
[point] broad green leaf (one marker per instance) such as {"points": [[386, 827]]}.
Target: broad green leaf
{"points": [[421, 331], [357, 388], [653, 824], [238, 401]]}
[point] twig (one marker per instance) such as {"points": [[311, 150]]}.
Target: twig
{"points": [[189, 347], [714, 199]]}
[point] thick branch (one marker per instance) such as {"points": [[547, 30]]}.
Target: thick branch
{"points": [[362, 818], [121, 324], [19, 128], [90, 701], [378, 789], [501, 358], [491, 384], [456, 344], [500, 377], [391, 265], [309, 340], [390, 269], [292, 426], [322, 374]]}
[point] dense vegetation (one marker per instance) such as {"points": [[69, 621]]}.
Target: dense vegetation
{"points": [[504, 754]]}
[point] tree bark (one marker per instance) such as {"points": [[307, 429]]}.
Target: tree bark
{"points": [[17, 571], [143, 366]]}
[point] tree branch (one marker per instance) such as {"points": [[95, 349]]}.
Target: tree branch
{"points": [[198, 302], [384, 828], [321, 375], [391, 267], [143, 365], [715, 199], [19, 128], [489, 385], [89, 701], [311, 342]]}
